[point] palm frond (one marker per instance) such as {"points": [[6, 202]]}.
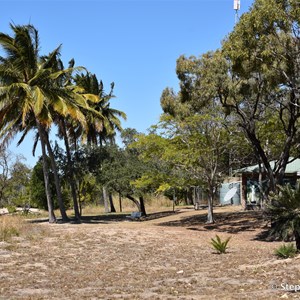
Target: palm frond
{"points": [[38, 99]]}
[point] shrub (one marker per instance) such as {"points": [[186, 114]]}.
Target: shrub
{"points": [[283, 210], [286, 251], [219, 245], [11, 209]]}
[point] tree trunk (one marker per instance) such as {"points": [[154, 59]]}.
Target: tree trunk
{"points": [[106, 209], [79, 198], [112, 207], [52, 218], [297, 239], [70, 171], [142, 207], [80, 208], [134, 201], [262, 155], [189, 196], [120, 202], [210, 213], [56, 179]]}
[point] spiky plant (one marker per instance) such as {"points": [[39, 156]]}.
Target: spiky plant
{"points": [[283, 210], [219, 245]]}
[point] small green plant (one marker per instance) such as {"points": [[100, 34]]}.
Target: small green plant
{"points": [[11, 209], [286, 251], [219, 245]]}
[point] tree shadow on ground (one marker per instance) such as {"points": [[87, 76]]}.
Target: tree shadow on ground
{"points": [[121, 217], [229, 222], [108, 218]]}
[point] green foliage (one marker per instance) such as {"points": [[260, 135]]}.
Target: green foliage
{"points": [[103, 121], [219, 245], [283, 210], [11, 209], [186, 151], [263, 60], [37, 187], [286, 251], [87, 189], [14, 179], [18, 185]]}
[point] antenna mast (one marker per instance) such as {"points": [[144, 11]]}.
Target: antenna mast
{"points": [[236, 7]]}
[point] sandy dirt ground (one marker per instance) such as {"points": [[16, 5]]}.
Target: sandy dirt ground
{"points": [[167, 256]]}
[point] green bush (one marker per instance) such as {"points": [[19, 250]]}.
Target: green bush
{"points": [[283, 210], [219, 245], [286, 251], [11, 209]]}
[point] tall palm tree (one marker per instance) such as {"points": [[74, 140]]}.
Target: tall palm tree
{"points": [[64, 123], [102, 127], [31, 95], [103, 121]]}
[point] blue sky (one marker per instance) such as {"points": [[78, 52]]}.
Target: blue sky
{"points": [[134, 43]]}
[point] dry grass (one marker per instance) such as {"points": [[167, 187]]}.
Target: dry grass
{"points": [[163, 258], [152, 204], [11, 226]]}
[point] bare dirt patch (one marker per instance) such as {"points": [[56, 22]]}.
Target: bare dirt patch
{"points": [[166, 256]]}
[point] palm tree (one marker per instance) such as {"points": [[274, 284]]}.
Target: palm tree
{"points": [[63, 125], [31, 96], [102, 127], [103, 124]]}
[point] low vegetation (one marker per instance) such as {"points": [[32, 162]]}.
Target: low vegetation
{"points": [[286, 251], [219, 245], [283, 211], [11, 226]]}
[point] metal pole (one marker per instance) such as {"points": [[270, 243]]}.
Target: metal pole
{"points": [[236, 16]]}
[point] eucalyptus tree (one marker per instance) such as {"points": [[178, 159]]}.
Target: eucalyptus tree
{"points": [[189, 151], [31, 96], [5, 157], [262, 55], [18, 184], [255, 76]]}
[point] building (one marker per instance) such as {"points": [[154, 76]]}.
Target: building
{"points": [[248, 183]]}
